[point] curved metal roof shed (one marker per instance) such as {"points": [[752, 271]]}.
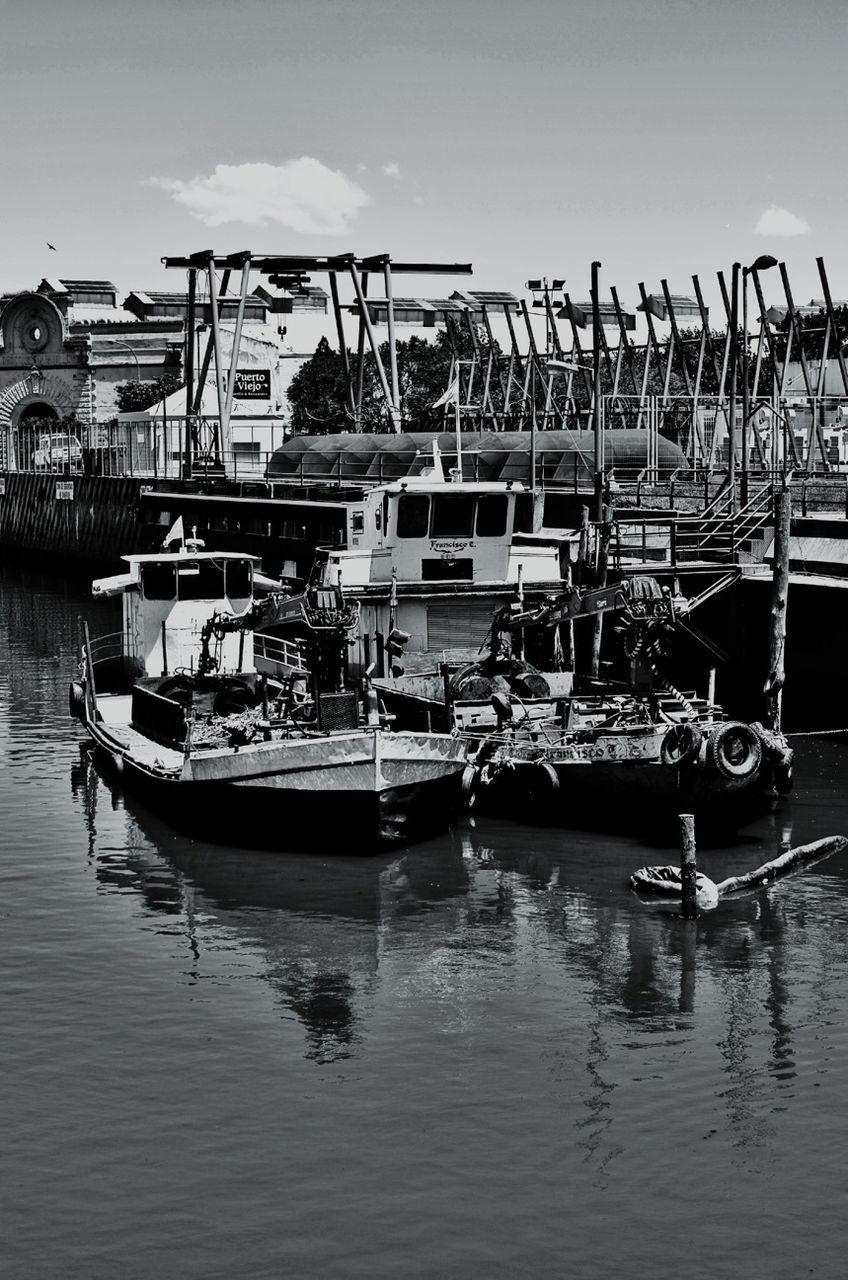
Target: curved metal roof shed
{"points": [[564, 455]]}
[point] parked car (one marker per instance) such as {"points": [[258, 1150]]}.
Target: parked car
{"points": [[59, 452]]}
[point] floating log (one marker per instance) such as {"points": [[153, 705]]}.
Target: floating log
{"points": [[668, 882], [802, 856]]}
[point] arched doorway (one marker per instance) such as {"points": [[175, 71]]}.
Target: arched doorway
{"points": [[36, 434], [37, 410]]}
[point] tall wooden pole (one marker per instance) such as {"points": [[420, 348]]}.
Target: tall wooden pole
{"points": [[779, 600], [597, 427], [688, 866], [734, 353], [189, 372], [603, 534]]}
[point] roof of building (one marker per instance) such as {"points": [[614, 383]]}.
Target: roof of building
{"points": [[77, 286], [681, 303], [162, 297]]}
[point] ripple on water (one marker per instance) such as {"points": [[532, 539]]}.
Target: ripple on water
{"points": [[479, 1057]]}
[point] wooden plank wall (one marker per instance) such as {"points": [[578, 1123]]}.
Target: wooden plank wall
{"points": [[100, 523]]}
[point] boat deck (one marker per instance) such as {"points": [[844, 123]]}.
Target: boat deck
{"points": [[115, 730]]}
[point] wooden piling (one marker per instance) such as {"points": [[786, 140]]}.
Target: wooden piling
{"points": [[604, 533], [688, 866], [567, 629], [779, 599], [583, 549]]}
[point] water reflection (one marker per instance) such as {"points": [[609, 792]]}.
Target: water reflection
{"points": [[316, 921], [636, 987]]}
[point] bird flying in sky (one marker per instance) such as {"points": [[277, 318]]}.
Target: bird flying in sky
{"points": [[50, 246]]}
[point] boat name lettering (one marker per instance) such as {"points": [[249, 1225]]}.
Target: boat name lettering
{"points": [[450, 546], [624, 750]]}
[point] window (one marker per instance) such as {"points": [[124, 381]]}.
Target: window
{"points": [[523, 522], [158, 581], [491, 515], [201, 580], [559, 512], [357, 522], [239, 574], [453, 517], [413, 515]]}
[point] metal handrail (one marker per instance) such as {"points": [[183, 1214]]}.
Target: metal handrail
{"points": [[106, 647]]}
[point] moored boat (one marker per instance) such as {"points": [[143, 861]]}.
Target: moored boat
{"points": [[287, 757], [634, 754]]}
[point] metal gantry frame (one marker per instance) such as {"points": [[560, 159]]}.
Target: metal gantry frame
{"points": [[525, 376], [293, 269]]}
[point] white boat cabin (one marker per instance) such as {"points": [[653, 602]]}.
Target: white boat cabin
{"points": [[167, 598], [426, 530], [434, 558]]}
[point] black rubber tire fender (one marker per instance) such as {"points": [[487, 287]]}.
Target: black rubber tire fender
{"points": [[76, 700], [469, 786], [783, 777], [542, 785], [734, 750], [681, 745]]}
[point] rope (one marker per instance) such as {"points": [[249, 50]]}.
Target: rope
{"points": [[816, 733]]}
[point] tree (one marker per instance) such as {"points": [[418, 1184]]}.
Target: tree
{"points": [[318, 393], [133, 397]]}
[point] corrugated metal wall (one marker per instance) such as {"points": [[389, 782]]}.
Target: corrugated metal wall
{"points": [[93, 519]]}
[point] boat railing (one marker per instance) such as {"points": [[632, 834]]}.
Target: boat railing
{"points": [[279, 656], [105, 648]]}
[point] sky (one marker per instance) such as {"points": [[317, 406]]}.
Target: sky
{"points": [[660, 137]]}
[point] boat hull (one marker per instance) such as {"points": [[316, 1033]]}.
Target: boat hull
{"points": [[355, 792], [630, 795]]}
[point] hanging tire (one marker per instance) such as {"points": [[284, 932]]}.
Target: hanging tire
{"points": [[681, 745], [76, 700], [469, 786], [542, 787], [783, 777], [735, 750]]}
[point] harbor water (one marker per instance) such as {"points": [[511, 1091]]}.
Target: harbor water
{"points": [[479, 1057]]}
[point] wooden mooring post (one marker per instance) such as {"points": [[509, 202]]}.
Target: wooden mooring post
{"points": [[688, 866], [779, 599]]}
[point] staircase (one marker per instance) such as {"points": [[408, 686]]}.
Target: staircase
{"points": [[718, 533]]}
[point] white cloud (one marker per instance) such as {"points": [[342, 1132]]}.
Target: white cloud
{"points": [[302, 194], [775, 221], [391, 169]]}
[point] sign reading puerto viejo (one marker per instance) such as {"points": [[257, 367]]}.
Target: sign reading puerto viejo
{"points": [[253, 384]]}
